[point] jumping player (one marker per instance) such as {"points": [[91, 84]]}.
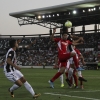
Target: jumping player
{"points": [[63, 55]]}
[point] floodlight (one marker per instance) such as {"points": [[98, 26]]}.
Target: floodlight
{"points": [[39, 17], [57, 14], [83, 10], [74, 12], [43, 16]]}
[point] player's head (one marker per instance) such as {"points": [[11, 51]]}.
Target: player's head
{"points": [[64, 36], [64, 33], [13, 43]]}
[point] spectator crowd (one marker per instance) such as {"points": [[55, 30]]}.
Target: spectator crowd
{"points": [[45, 51]]}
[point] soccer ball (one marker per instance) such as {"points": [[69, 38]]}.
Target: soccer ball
{"points": [[68, 24]]}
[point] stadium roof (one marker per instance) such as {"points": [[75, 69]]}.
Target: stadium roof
{"points": [[57, 8], [25, 17]]}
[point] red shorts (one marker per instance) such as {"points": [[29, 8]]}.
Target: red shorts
{"points": [[63, 58]]}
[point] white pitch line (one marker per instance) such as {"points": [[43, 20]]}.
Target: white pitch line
{"points": [[71, 96], [87, 91]]}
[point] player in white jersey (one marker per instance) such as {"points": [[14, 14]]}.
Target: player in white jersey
{"points": [[12, 72]]}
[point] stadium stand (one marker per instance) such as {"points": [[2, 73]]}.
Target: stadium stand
{"points": [[44, 51]]}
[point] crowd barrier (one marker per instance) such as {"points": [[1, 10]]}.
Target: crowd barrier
{"points": [[88, 66], [36, 67]]}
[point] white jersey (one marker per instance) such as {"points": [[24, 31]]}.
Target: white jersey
{"points": [[12, 55]]}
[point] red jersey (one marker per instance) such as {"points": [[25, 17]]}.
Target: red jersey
{"points": [[62, 45]]}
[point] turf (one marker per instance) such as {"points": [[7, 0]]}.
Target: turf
{"points": [[38, 78]]}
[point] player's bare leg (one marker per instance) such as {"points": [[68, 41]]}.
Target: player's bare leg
{"points": [[81, 79]]}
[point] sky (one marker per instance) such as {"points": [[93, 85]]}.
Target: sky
{"points": [[9, 25]]}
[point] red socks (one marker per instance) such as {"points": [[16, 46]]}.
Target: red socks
{"points": [[75, 78], [55, 77]]}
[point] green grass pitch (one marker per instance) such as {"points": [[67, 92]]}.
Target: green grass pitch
{"points": [[38, 78]]}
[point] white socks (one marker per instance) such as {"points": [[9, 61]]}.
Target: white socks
{"points": [[14, 87], [29, 88], [79, 74], [70, 73], [61, 79]]}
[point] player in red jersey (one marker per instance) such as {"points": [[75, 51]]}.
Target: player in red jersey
{"points": [[63, 54], [81, 60], [72, 73]]}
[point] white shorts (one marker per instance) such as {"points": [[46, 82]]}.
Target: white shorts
{"points": [[14, 76], [71, 60]]}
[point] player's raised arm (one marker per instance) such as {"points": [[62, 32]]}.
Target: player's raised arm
{"points": [[31, 44], [74, 37], [19, 41], [77, 38], [75, 43], [52, 36], [80, 39]]}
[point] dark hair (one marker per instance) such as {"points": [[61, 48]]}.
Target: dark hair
{"points": [[64, 30], [64, 33], [12, 43]]}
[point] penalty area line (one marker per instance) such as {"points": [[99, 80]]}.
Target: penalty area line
{"points": [[71, 96]]}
